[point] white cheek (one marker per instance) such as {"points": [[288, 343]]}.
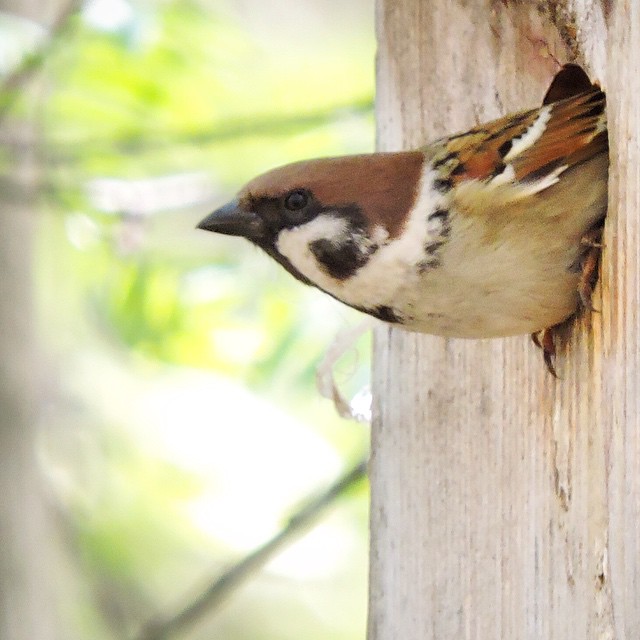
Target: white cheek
{"points": [[294, 244]]}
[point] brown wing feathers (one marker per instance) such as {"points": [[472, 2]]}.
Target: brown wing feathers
{"points": [[533, 143], [575, 132], [478, 154]]}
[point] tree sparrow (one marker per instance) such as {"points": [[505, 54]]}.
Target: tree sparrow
{"points": [[481, 234]]}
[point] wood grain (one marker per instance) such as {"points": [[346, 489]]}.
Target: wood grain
{"points": [[506, 504]]}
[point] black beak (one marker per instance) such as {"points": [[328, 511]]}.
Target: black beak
{"points": [[232, 220]]}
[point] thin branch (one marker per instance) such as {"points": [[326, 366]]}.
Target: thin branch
{"points": [[213, 595], [33, 61], [229, 130]]}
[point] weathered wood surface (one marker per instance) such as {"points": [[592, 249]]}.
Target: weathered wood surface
{"points": [[506, 504]]}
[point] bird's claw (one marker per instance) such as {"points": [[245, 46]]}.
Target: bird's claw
{"points": [[545, 340], [589, 267]]}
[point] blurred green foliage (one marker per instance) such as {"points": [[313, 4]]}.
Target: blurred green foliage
{"points": [[137, 102], [183, 87]]}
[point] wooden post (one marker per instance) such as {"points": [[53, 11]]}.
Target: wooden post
{"points": [[506, 504]]}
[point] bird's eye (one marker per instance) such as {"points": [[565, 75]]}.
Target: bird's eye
{"points": [[296, 200]]}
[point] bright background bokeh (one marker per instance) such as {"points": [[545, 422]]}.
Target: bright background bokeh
{"points": [[181, 425]]}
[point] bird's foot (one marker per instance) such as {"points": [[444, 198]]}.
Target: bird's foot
{"points": [[589, 262], [545, 340]]}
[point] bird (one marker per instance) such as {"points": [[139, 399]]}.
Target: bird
{"points": [[487, 233]]}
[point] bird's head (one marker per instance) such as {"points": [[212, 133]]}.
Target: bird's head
{"points": [[323, 220]]}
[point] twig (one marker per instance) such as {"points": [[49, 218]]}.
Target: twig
{"points": [[33, 61], [212, 596], [228, 130], [343, 341]]}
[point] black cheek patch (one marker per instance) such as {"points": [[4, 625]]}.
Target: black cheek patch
{"points": [[340, 261]]}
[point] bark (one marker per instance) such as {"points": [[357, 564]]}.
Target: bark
{"points": [[505, 503], [27, 577]]}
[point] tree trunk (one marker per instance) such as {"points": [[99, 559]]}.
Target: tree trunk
{"points": [[505, 503], [27, 578]]}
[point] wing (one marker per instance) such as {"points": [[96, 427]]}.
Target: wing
{"points": [[525, 153]]}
